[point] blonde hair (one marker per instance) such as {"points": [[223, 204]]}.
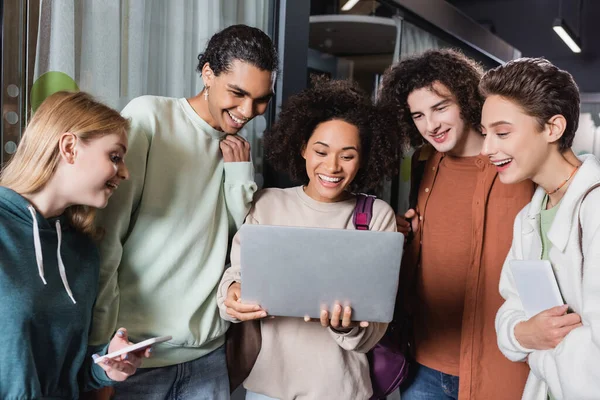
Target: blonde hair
{"points": [[37, 156]]}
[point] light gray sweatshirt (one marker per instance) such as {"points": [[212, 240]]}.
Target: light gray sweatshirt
{"points": [[303, 360]]}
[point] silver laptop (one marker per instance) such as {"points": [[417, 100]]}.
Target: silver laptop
{"points": [[293, 271]]}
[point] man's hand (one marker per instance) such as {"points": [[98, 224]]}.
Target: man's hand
{"points": [[235, 149], [407, 224]]}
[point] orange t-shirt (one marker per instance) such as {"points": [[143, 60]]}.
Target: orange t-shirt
{"points": [[446, 254]]}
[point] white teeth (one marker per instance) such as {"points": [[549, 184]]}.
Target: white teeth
{"points": [[329, 178], [502, 162], [112, 185], [439, 135], [236, 120]]}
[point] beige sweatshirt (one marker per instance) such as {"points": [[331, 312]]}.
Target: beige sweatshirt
{"points": [[303, 360]]}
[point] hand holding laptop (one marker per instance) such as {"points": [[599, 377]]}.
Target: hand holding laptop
{"points": [[293, 272], [339, 319], [239, 310]]}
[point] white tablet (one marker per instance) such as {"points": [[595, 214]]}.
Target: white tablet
{"points": [[294, 271], [130, 349], [536, 285]]}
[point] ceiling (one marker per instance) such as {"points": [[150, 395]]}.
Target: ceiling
{"points": [[525, 24], [348, 35]]}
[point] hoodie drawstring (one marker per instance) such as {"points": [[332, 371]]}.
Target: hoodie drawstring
{"points": [[37, 244], [39, 257], [61, 266]]}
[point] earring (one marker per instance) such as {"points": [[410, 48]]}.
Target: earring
{"points": [[206, 93]]}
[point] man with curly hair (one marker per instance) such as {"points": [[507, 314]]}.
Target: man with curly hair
{"points": [[463, 230]]}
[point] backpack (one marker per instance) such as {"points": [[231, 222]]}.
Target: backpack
{"points": [[387, 362]]}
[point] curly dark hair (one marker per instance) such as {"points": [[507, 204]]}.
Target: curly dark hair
{"points": [[381, 145], [541, 89], [239, 42], [451, 68]]}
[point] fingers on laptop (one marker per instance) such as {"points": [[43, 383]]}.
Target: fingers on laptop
{"points": [[345, 315], [340, 318], [244, 312]]}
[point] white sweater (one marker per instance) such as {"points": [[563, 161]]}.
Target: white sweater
{"points": [[572, 369], [303, 360]]}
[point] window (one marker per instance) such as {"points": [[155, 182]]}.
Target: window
{"points": [[114, 49]]}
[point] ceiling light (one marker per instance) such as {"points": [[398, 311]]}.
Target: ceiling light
{"points": [[561, 28], [349, 4]]}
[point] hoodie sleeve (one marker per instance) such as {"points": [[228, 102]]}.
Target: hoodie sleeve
{"points": [[92, 375], [117, 220]]}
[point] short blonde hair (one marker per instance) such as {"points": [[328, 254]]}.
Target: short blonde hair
{"points": [[37, 156]]}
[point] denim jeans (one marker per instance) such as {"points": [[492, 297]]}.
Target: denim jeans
{"points": [[257, 396], [202, 379], [429, 384]]}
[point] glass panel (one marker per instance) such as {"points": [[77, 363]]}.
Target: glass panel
{"points": [[416, 40]]}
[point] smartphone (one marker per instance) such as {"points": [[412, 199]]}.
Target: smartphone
{"points": [[133, 348]]}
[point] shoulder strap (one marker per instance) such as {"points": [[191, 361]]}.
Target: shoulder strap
{"points": [[363, 211], [595, 186]]}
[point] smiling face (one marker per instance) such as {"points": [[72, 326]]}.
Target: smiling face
{"points": [[332, 157], [514, 141], [96, 170], [436, 115], [237, 95]]}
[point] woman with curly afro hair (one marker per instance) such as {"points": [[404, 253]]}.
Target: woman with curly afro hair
{"points": [[287, 140], [334, 141]]}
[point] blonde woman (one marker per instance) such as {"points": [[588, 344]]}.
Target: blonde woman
{"points": [[69, 162]]}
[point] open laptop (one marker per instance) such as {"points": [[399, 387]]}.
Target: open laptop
{"points": [[293, 271]]}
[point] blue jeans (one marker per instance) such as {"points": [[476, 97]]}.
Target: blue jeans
{"points": [[257, 396], [205, 378], [429, 384]]}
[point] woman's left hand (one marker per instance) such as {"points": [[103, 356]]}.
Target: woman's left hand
{"points": [[340, 319], [120, 368]]}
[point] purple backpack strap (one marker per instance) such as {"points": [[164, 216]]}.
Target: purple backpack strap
{"points": [[387, 365], [363, 212]]}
